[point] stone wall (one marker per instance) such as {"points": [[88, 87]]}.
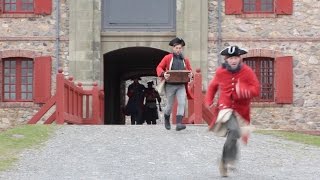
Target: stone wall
{"points": [[36, 35], [294, 35], [85, 62], [16, 114]]}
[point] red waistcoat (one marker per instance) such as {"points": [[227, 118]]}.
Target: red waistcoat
{"points": [[225, 82]]}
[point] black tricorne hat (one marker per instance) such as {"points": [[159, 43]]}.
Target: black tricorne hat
{"points": [[135, 77], [233, 51], [177, 41]]}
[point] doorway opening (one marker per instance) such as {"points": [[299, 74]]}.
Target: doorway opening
{"points": [[121, 65]]}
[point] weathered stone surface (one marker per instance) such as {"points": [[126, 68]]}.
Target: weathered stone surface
{"points": [[313, 60], [40, 37], [298, 28], [294, 35]]}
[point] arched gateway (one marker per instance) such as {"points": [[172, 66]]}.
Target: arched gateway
{"points": [[120, 65]]}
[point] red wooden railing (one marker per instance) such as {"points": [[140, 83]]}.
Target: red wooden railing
{"points": [[73, 104], [197, 112]]}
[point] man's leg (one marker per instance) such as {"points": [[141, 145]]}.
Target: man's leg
{"points": [[133, 119], [154, 115], [230, 148], [154, 121], [140, 119], [167, 122], [181, 98], [170, 94]]}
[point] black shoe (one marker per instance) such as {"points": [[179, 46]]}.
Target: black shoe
{"points": [[167, 124], [180, 127]]}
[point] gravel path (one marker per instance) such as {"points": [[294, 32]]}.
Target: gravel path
{"points": [[151, 152]]}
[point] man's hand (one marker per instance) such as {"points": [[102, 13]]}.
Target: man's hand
{"points": [[166, 76], [190, 75], [242, 93]]}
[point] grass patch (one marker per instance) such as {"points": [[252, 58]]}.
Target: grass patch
{"points": [[293, 136], [15, 140]]}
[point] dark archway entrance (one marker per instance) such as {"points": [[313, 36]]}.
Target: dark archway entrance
{"points": [[119, 66]]}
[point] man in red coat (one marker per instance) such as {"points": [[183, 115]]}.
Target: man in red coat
{"points": [[175, 61], [237, 84]]}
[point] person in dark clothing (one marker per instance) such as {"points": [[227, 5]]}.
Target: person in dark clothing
{"points": [[150, 107], [175, 61], [135, 103]]}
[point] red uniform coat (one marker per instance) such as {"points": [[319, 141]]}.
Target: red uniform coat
{"points": [[164, 66], [226, 82]]}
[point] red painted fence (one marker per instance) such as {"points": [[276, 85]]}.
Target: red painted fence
{"points": [[73, 104], [197, 111]]}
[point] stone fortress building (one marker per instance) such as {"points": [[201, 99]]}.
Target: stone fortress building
{"points": [[109, 41]]}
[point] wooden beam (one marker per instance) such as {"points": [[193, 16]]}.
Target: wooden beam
{"points": [[43, 110], [51, 119]]}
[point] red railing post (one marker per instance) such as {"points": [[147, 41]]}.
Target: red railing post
{"points": [[60, 97], [71, 92], [101, 100], [80, 102], [198, 97], [95, 104]]}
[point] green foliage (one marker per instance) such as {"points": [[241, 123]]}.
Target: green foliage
{"points": [[294, 136], [14, 140]]}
